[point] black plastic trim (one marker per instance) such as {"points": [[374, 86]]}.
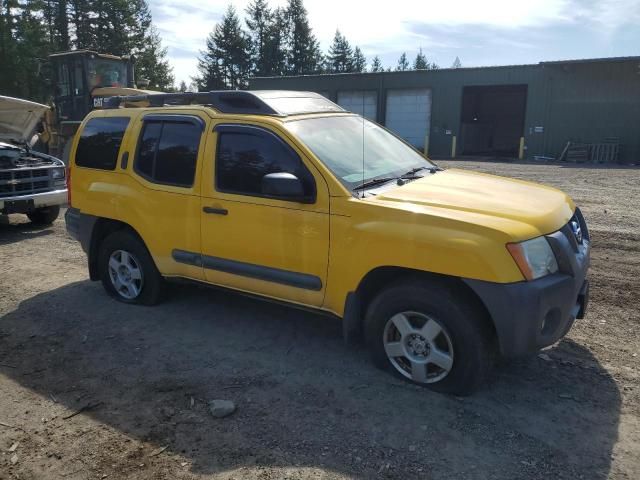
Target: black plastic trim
{"points": [[80, 226], [174, 118], [215, 211], [124, 161], [223, 101], [269, 274], [531, 315], [189, 258], [352, 319]]}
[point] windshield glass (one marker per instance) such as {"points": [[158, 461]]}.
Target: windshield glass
{"points": [[341, 141], [107, 73]]}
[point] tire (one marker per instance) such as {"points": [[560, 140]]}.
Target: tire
{"points": [[44, 216], [445, 344], [127, 271]]}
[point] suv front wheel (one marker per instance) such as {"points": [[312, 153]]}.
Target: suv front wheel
{"points": [[127, 270], [430, 335]]}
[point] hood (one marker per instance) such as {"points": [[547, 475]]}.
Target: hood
{"points": [[19, 118], [543, 209]]}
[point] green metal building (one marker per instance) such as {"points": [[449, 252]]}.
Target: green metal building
{"points": [[525, 111]]}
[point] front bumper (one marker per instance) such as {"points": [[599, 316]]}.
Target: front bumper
{"points": [[531, 315], [28, 203]]}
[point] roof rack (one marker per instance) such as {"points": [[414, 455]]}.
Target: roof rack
{"points": [[266, 102]]}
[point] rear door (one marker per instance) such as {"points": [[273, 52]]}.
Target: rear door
{"points": [[255, 243], [160, 194]]}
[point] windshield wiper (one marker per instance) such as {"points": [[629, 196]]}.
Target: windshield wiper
{"points": [[373, 182], [413, 171]]}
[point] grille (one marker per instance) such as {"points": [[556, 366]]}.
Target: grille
{"points": [[24, 182]]}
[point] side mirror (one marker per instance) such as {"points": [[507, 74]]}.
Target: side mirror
{"points": [[285, 186]]}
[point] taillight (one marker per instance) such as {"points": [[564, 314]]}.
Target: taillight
{"points": [[69, 185]]}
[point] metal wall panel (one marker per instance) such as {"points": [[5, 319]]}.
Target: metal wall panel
{"points": [[409, 114], [362, 102], [588, 101]]}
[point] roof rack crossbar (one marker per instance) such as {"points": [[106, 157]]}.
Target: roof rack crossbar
{"points": [[225, 101]]}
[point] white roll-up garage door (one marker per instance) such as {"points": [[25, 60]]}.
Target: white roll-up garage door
{"points": [[361, 102], [409, 114]]}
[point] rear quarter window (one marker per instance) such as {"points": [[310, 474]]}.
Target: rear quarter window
{"points": [[100, 142]]}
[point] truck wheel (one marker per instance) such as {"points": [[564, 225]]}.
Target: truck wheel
{"points": [[44, 216], [430, 336], [127, 270]]}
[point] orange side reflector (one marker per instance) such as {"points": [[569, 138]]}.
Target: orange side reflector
{"points": [[516, 251]]}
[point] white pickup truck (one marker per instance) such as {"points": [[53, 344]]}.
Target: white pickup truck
{"points": [[31, 182]]}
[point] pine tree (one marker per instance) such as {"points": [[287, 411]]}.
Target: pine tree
{"points": [[151, 62], [340, 58], [303, 51], [80, 14], [275, 49], [31, 50], [56, 18], [115, 26], [403, 63], [226, 62], [420, 63], [359, 61], [8, 58], [259, 21], [376, 65], [183, 86], [151, 56], [457, 63]]}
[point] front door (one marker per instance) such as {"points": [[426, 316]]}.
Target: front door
{"points": [[252, 239]]}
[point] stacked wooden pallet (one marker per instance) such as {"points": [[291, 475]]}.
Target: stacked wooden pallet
{"points": [[606, 152]]}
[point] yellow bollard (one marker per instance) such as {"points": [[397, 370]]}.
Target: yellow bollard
{"points": [[521, 149]]}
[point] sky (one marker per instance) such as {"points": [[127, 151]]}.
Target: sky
{"points": [[479, 32]]}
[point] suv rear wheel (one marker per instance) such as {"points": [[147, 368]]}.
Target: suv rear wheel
{"points": [[44, 216], [430, 336], [127, 270]]}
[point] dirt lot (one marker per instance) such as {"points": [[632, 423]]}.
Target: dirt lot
{"points": [[308, 407]]}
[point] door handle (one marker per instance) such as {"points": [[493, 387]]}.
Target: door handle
{"points": [[215, 211]]}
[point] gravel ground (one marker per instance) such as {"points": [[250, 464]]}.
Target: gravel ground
{"points": [[91, 388]]}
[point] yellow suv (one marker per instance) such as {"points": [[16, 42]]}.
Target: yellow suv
{"points": [[287, 196]]}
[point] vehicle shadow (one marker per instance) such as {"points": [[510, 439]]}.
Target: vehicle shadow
{"points": [[303, 398], [12, 232]]}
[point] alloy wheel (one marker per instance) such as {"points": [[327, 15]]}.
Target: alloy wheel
{"points": [[418, 347], [125, 274]]}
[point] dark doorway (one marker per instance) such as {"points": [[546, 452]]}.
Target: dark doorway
{"points": [[493, 120]]}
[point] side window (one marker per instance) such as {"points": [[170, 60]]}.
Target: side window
{"points": [[168, 152], [100, 142], [246, 154], [63, 80], [78, 79]]}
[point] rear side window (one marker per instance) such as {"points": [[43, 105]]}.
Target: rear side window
{"points": [[100, 142], [246, 154], [168, 152]]}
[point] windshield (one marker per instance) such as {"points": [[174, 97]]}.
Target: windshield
{"points": [[338, 142], [107, 73]]}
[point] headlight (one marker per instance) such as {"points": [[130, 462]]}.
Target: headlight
{"points": [[534, 257], [57, 173]]}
